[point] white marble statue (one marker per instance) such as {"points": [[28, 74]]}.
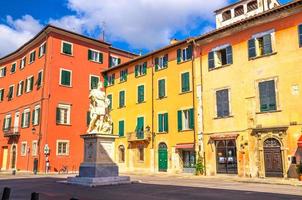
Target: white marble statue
{"points": [[100, 120]]}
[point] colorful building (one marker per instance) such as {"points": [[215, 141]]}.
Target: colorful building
{"points": [[44, 87]]}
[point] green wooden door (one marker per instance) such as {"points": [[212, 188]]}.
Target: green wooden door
{"points": [[162, 157]]}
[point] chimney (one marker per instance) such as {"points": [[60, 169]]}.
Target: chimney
{"points": [[173, 41]]}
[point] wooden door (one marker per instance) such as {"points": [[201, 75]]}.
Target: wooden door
{"points": [[273, 158], [162, 157], [4, 158]]}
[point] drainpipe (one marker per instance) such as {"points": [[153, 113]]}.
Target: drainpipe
{"points": [[152, 120]]}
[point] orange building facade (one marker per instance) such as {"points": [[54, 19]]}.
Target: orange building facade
{"points": [[44, 88]]}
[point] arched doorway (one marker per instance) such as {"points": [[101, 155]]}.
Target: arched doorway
{"points": [[162, 157], [272, 158], [13, 158], [226, 157], [121, 153]]}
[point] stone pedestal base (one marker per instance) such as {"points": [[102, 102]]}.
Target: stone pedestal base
{"points": [[99, 181]]}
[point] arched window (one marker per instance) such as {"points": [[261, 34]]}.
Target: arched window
{"points": [[162, 146], [253, 5], [239, 11], [226, 15], [121, 154]]}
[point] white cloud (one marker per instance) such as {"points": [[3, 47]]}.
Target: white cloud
{"points": [[17, 32]]}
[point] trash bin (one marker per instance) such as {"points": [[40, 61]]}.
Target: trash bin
{"points": [[35, 170]]}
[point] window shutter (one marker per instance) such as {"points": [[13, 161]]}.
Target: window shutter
{"points": [[190, 52], [113, 78], [110, 98], [300, 35], [89, 54], [141, 94], [179, 120], [33, 117], [145, 68], [166, 122], [110, 61], [267, 44], [66, 48], [226, 110], [105, 80], [185, 82], [22, 120], [229, 52], [160, 123], [3, 125], [122, 99], [219, 104], [119, 61], [252, 48], [9, 122], [166, 58], [88, 118], [178, 56], [211, 60], [136, 70], [121, 128], [39, 81], [101, 58], [191, 118], [38, 113], [28, 119], [31, 83], [161, 89], [26, 83], [156, 63], [272, 95], [58, 116], [4, 71]]}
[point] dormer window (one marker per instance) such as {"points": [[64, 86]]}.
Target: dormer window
{"points": [[261, 44], [253, 5], [239, 11], [220, 56], [226, 15]]}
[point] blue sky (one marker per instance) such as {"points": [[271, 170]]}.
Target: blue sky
{"points": [[134, 25]]}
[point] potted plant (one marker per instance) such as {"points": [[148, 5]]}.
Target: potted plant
{"points": [[199, 167], [299, 171]]}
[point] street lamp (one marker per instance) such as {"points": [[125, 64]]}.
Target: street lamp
{"points": [[33, 130]]}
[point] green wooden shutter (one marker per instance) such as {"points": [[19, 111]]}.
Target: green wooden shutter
{"points": [[4, 71], [67, 48], [101, 58], [140, 128], [121, 128], [94, 81], [88, 119], [58, 115], [229, 53], [145, 68], [189, 52], [166, 58], [156, 63], [160, 123], [166, 123], [33, 117], [136, 70], [3, 125], [185, 82], [122, 99], [191, 118], [161, 88], [66, 78], [179, 120], [9, 122], [178, 55], [28, 119], [31, 83], [89, 54], [267, 44], [22, 120], [110, 98], [105, 80], [39, 81], [119, 61], [38, 113], [300, 35], [211, 60], [140, 93], [110, 61], [252, 48]]}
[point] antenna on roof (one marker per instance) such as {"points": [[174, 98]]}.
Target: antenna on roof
{"points": [[103, 30]]}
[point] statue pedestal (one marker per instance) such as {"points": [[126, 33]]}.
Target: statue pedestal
{"points": [[98, 167]]}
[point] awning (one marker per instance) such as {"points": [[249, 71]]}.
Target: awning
{"points": [[229, 136], [300, 142], [185, 146]]}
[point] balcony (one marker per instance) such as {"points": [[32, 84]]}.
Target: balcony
{"points": [[139, 136], [11, 132]]}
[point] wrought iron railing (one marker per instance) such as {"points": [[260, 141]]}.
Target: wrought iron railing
{"points": [[139, 135], [11, 131]]}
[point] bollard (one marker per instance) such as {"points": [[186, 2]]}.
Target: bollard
{"points": [[34, 196], [6, 193]]}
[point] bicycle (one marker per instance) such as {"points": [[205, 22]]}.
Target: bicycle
{"points": [[63, 170]]}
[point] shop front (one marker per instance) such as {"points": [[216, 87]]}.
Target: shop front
{"points": [[187, 155]]}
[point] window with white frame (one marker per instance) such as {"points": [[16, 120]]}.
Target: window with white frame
{"points": [[65, 77], [62, 148], [22, 62], [10, 92], [161, 62], [67, 48], [7, 122], [63, 114], [25, 118], [40, 79], [261, 44], [141, 69], [95, 56], [184, 54], [110, 79], [220, 56], [20, 88], [23, 148], [1, 94], [13, 68], [42, 50], [29, 84], [185, 119], [94, 81], [32, 57], [36, 115], [34, 148], [2, 72], [114, 61]]}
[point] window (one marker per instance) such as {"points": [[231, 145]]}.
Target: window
{"points": [[36, 115], [13, 68], [42, 50], [20, 88], [40, 79], [63, 114], [140, 128], [23, 148], [22, 62], [10, 92], [67, 48], [95, 56], [121, 154], [253, 5], [222, 103], [260, 45], [163, 123], [29, 85], [65, 77], [220, 56], [109, 80], [123, 75], [226, 15], [94, 81], [184, 54], [2, 72], [1, 94], [121, 128], [34, 150], [185, 82], [161, 62], [161, 88], [267, 94], [122, 99], [239, 11], [188, 159], [141, 69], [114, 61], [141, 156], [185, 119], [109, 96], [300, 35], [62, 148], [7, 122], [140, 94], [25, 119], [32, 57]]}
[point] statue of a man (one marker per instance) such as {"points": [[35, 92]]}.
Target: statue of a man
{"points": [[98, 109]]}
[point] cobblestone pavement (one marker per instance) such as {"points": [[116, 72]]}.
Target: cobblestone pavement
{"points": [[158, 186]]}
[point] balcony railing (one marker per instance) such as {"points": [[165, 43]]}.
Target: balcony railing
{"points": [[11, 131], [139, 136]]}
